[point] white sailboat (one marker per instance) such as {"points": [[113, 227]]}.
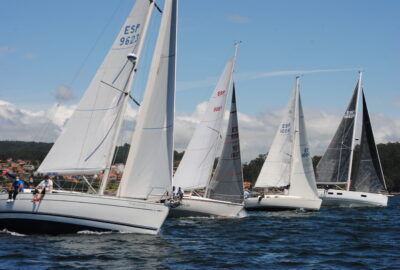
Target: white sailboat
{"points": [[224, 191], [86, 145], [288, 165], [366, 185]]}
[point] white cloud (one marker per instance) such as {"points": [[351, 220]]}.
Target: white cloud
{"points": [[64, 93], [25, 125], [256, 132]]}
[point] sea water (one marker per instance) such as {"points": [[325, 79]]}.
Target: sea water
{"points": [[334, 238]]}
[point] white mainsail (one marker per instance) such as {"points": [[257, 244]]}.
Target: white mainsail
{"points": [[148, 171], [302, 179], [195, 168], [289, 163], [87, 141], [276, 169]]}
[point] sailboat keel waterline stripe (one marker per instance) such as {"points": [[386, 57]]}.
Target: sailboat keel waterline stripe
{"points": [[78, 218]]}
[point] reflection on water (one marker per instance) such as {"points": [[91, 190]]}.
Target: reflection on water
{"points": [[332, 238]]}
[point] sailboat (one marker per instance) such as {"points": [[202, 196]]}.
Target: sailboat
{"points": [[288, 166], [365, 186], [87, 143], [223, 195]]}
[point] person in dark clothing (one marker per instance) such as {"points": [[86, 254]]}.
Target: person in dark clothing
{"points": [[261, 196], [17, 187]]}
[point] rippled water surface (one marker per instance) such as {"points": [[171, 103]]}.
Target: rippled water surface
{"points": [[353, 238]]}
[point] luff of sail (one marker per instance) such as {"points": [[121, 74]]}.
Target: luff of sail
{"points": [[276, 169], [334, 166], [227, 181], [195, 168], [148, 170], [368, 176], [302, 179], [84, 146]]}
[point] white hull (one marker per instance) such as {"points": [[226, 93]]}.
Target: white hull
{"points": [[282, 202], [194, 206], [72, 212], [343, 198]]}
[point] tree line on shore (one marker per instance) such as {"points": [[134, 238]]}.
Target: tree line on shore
{"points": [[36, 151]]}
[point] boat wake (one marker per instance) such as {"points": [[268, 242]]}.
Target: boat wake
{"points": [[5, 231], [94, 232]]}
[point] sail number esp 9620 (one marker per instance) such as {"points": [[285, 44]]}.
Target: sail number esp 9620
{"points": [[130, 35]]}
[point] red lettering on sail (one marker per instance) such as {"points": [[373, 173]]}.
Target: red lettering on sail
{"points": [[217, 109], [220, 93]]}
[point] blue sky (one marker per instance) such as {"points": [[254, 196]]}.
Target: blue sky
{"points": [[47, 43]]}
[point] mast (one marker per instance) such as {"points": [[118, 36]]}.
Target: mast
{"points": [[126, 96], [295, 126], [354, 132]]}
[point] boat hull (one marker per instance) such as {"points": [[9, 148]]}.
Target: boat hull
{"points": [[194, 206], [343, 198], [281, 202], [73, 212]]}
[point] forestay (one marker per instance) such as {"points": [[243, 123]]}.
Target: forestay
{"points": [[195, 168], [368, 174], [334, 166], [302, 179], [227, 181], [85, 144], [276, 169], [148, 171]]}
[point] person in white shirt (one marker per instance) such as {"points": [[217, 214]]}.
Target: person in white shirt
{"points": [[46, 186], [246, 194]]}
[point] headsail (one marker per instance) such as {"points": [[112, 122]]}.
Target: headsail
{"points": [[148, 171], [276, 169], [227, 181], [302, 179], [195, 168], [368, 174], [85, 144], [334, 166]]}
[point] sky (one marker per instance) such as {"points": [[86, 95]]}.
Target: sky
{"points": [[50, 50]]}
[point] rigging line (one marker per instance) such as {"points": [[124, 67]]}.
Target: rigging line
{"points": [[102, 141], [122, 69], [157, 6], [112, 86], [95, 44], [134, 100]]}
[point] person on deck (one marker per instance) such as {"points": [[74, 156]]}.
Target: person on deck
{"points": [[261, 196], [180, 193], [46, 186], [174, 192], [17, 187], [246, 194]]}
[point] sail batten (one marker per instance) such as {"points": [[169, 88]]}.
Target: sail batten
{"points": [[87, 141]]}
